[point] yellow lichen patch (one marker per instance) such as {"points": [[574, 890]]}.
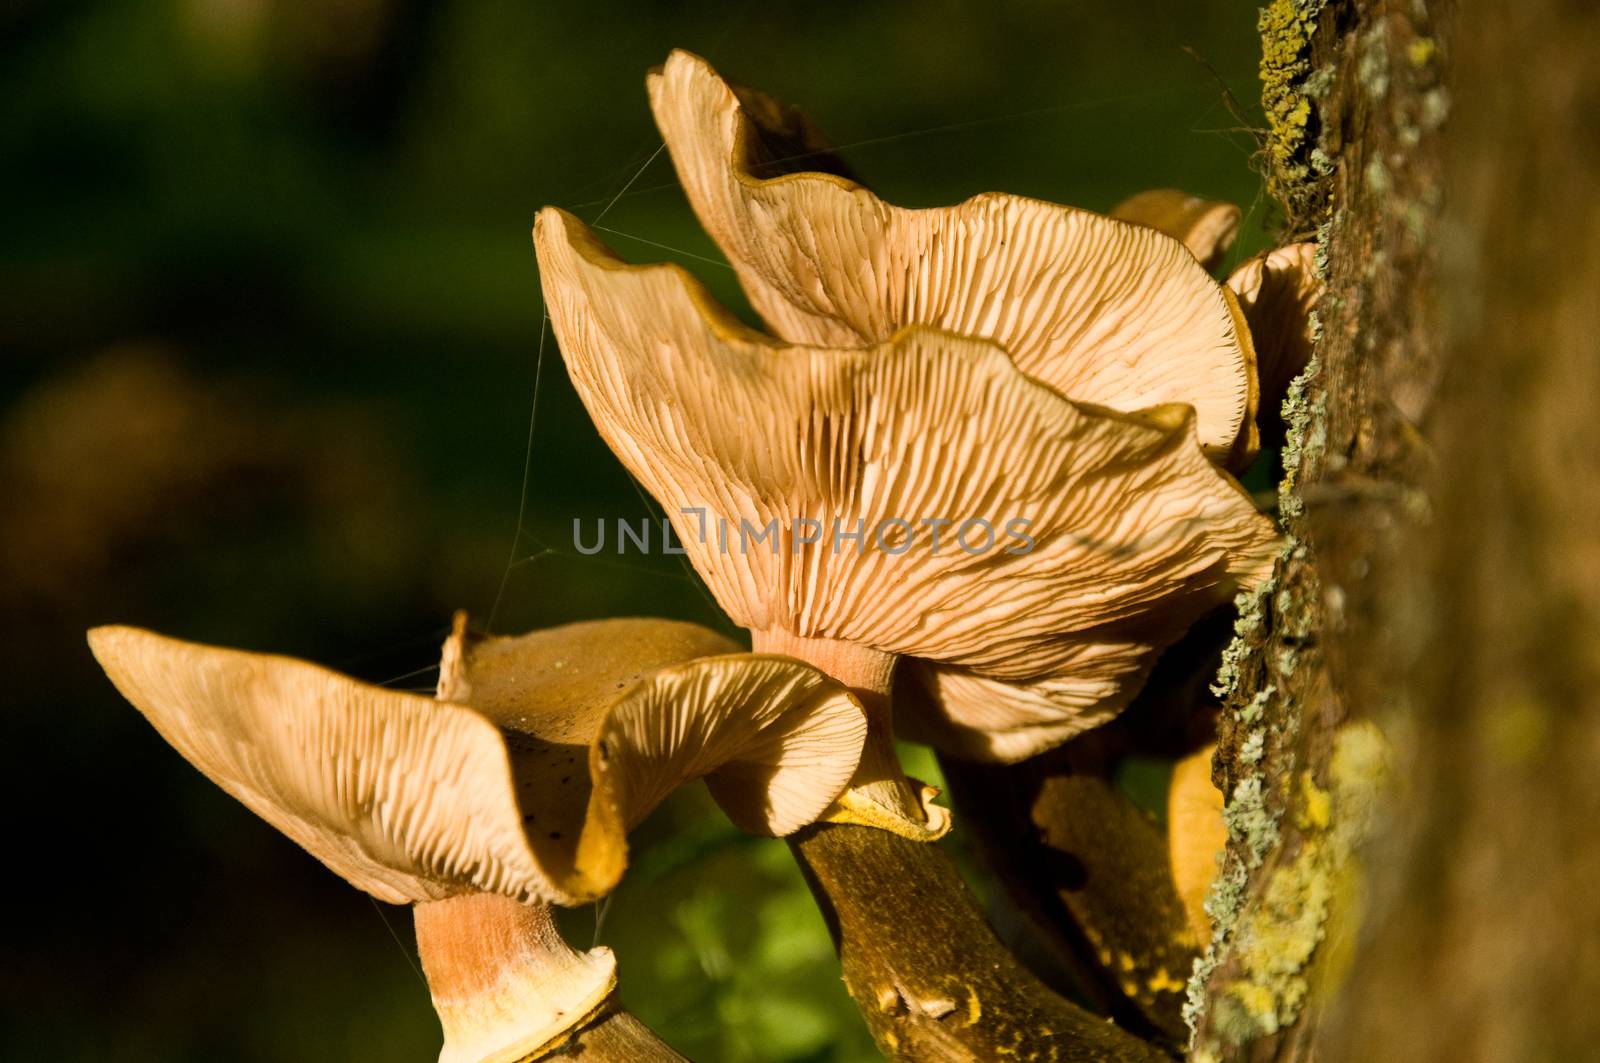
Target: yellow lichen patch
{"points": [[1313, 898], [1257, 1001], [1315, 804], [1286, 27]]}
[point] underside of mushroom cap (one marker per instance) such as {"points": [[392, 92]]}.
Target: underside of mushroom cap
{"points": [[1278, 290], [404, 797], [1128, 522], [776, 740], [414, 799], [1103, 311], [976, 717]]}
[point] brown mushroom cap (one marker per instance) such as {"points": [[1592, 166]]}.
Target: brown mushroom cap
{"points": [[1196, 836], [1103, 311], [1207, 227], [575, 734], [1131, 524], [1278, 290], [776, 740]]}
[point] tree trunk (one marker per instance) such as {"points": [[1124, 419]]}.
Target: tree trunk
{"points": [[1355, 101], [1486, 889], [1436, 616]]}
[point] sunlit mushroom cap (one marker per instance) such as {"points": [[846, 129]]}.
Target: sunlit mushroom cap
{"points": [[1132, 532], [574, 735], [1196, 835], [1103, 311], [1278, 290], [1207, 227]]}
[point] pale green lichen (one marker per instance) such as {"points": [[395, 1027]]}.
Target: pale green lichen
{"points": [[1252, 711], [1377, 176], [1372, 66], [1253, 748], [1324, 236], [1299, 414], [1249, 818], [1319, 82], [1435, 108], [1289, 85], [1246, 624], [1310, 896]]}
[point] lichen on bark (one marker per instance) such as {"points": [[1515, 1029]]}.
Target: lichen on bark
{"points": [[1353, 102]]}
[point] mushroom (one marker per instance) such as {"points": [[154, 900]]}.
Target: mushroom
{"points": [[512, 791], [1207, 227], [1131, 532], [1104, 311], [1196, 835], [930, 375], [1278, 290], [1107, 313]]}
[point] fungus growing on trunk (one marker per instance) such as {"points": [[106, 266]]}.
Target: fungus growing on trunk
{"points": [[1278, 290], [513, 791], [1106, 313], [1131, 533], [733, 431]]}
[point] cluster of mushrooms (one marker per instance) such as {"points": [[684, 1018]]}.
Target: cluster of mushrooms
{"points": [[1002, 358]]}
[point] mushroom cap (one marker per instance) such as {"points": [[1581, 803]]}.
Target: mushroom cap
{"points": [[1196, 835], [413, 799], [976, 717], [1131, 525], [1207, 227], [776, 740], [1103, 311], [1278, 290]]}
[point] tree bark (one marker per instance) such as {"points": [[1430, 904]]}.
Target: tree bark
{"points": [[1355, 101], [1486, 937], [1435, 618]]}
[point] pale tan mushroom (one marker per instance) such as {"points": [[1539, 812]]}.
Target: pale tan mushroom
{"points": [[1278, 290], [1102, 310], [1207, 227], [1133, 533], [515, 790]]}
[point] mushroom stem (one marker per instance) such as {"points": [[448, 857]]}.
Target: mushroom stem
{"points": [[506, 986], [1089, 874], [869, 675], [929, 975]]}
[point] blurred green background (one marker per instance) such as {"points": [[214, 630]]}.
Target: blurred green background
{"points": [[271, 337]]}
